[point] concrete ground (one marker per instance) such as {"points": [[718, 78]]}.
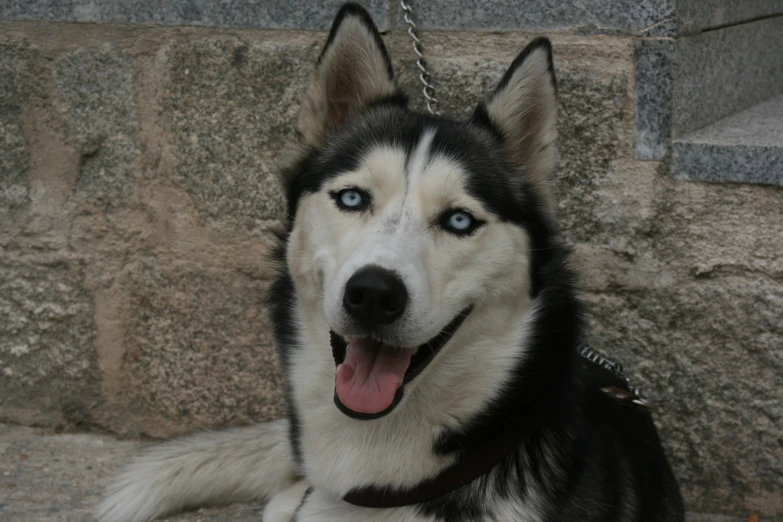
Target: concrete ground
{"points": [[48, 477]]}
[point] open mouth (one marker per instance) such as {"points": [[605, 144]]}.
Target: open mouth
{"points": [[371, 375]]}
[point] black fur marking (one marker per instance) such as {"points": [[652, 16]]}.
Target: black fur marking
{"points": [[307, 494], [430, 349], [539, 43], [280, 302], [355, 10]]}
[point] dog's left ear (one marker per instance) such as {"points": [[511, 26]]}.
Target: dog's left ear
{"points": [[352, 72], [523, 111]]}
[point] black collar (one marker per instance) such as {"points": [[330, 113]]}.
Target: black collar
{"points": [[468, 467]]}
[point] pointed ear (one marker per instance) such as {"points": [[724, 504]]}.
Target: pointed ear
{"points": [[352, 72], [523, 111]]}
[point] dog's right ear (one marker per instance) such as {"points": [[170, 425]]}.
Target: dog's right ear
{"points": [[523, 112], [352, 72]]}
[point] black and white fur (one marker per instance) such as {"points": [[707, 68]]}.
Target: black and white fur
{"points": [[511, 363]]}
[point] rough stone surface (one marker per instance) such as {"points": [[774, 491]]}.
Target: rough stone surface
{"points": [[698, 15], [46, 477], [14, 183], [631, 16], [692, 309], [710, 231], [230, 107], [96, 87], [47, 362], [301, 14], [718, 394], [721, 72], [653, 98], [198, 350], [746, 147]]}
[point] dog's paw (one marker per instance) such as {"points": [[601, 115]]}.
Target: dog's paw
{"points": [[283, 505]]}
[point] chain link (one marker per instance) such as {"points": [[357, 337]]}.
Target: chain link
{"points": [[615, 367], [424, 75]]}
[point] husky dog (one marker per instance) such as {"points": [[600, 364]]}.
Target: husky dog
{"points": [[428, 327]]}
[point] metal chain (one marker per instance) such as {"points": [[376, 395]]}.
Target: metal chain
{"points": [[424, 76], [615, 367]]}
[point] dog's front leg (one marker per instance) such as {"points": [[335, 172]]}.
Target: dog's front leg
{"points": [[323, 507]]}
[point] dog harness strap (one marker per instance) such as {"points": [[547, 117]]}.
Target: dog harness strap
{"points": [[468, 468]]}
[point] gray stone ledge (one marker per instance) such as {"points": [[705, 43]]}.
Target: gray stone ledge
{"points": [[744, 148], [698, 15], [653, 17], [644, 17], [14, 152], [654, 82], [720, 72], [612, 16], [272, 14]]}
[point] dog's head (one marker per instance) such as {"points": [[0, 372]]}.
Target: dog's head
{"points": [[406, 227]]}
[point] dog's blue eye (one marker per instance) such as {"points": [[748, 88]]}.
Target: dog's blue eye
{"points": [[351, 199], [459, 221]]}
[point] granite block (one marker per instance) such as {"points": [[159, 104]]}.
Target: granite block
{"points": [[300, 14], [198, 348], [720, 72], [48, 367], [54, 10], [697, 15], [707, 354], [230, 109], [96, 89], [590, 16], [14, 153], [692, 309], [653, 98], [746, 147]]}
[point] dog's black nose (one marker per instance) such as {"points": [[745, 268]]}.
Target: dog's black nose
{"points": [[375, 296]]}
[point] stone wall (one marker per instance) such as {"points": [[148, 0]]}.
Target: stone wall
{"points": [[138, 200]]}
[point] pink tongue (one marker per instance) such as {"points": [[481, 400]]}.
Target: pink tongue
{"points": [[369, 377]]}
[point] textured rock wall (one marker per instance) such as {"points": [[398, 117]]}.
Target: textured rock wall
{"points": [[138, 199]]}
